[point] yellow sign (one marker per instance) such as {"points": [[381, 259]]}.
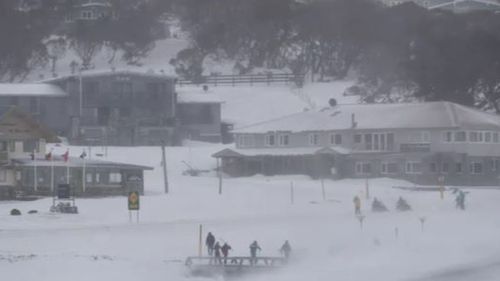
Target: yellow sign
{"points": [[133, 201]]}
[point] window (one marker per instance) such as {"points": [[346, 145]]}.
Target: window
{"points": [[495, 137], [336, 139], [313, 139], [363, 168], [246, 140], [3, 175], [458, 168], [29, 145], [379, 142], [357, 138], [487, 137], [115, 177], [368, 142], [12, 146], [97, 178], [475, 136], [476, 167], [445, 167], [87, 15], [270, 140], [460, 136], [88, 177], [433, 167], [495, 164], [447, 137], [284, 140], [413, 167], [389, 168]]}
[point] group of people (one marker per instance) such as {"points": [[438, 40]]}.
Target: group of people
{"points": [[222, 252], [378, 206]]}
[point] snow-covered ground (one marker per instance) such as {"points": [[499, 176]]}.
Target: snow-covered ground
{"points": [[101, 244]]}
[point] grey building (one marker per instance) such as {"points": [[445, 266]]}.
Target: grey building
{"points": [[420, 142], [120, 107], [46, 103]]}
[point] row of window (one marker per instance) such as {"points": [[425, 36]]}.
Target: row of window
{"points": [[415, 167], [28, 146], [471, 136], [96, 178]]}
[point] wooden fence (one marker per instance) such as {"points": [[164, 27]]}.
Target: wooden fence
{"points": [[250, 79]]}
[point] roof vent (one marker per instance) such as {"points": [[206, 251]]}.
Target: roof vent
{"points": [[205, 88], [332, 102]]}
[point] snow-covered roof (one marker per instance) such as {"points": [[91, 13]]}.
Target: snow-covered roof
{"points": [[31, 89], [467, 4], [76, 162], [101, 72], [235, 152], [380, 116]]}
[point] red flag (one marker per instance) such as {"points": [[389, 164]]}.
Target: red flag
{"points": [[48, 156], [65, 156]]}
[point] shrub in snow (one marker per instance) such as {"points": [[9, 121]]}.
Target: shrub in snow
{"points": [[33, 212], [15, 212]]}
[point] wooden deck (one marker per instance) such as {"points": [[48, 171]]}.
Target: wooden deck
{"points": [[209, 266]]}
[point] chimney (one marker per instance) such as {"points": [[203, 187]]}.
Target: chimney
{"points": [[354, 124]]}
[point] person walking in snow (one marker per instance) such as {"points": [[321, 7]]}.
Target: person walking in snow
{"points": [[210, 241], [225, 251], [286, 249], [253, 252], [217, 250], [357, 205]]}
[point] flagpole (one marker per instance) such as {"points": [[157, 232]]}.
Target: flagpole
{"points": [[51, 172], [67, 172], [83, 176], [35, 177]]}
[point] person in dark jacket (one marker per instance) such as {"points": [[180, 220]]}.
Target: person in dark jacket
{"points": [[210, 241], [217, 250], [225, 251], [286, 249], [253, 252]]}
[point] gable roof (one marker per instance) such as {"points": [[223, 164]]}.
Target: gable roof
{"points": [[380, 116], [31, 90], [33, 129]]}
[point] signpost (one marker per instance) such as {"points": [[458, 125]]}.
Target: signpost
{"points": [[133, 204]]}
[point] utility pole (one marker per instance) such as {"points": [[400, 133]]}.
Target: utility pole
{"points": [[219, 175], [164, 164]]}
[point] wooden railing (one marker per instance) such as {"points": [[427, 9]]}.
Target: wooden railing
{"points": [[249, 79], [235, 262]]}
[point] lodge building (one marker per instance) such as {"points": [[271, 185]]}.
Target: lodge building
{"points": [[23, 155], [419, 142]]}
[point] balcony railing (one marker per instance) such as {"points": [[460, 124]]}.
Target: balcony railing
{"points": [[415, 147]]}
